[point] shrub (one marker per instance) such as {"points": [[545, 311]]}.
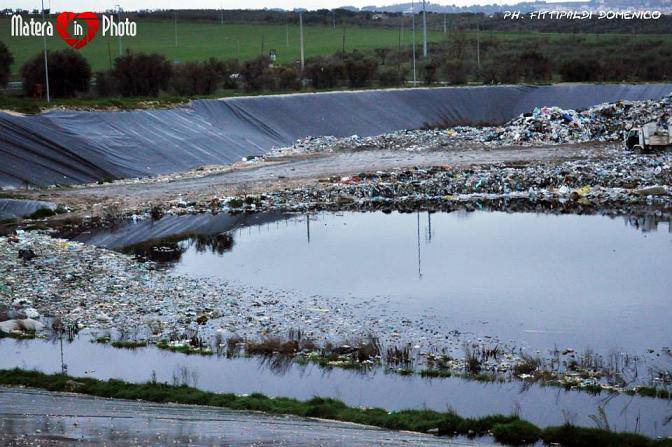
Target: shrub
{"points": [[430, 73], [255, 74], [571, 436], [535, 66], [501, 68], [286, 78], [42, 213], [527, 365], [106, 85], [455, 71], [390, 77], [258, 74], [516, 433], [581, 70], [69, 73], [231, 69], [450, 425], [325, 72], [360, 69], [481, 426], [198, 78], [6, 61], [141, 74]]}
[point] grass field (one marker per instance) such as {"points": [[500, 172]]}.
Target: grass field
{"points": [[201, 40], [198, 40]]}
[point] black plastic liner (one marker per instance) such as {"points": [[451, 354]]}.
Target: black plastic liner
{"points": [[13, 208], [174, 227], [62, 147]]}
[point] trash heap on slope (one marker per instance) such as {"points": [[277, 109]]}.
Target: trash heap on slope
{"points": [[604, 122], [544, 125]]}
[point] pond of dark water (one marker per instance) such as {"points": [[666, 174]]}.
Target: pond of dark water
{"points": [[536, 279]]}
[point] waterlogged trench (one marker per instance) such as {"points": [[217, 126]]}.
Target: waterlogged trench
{"points": [[530, 282], [540, 405]]}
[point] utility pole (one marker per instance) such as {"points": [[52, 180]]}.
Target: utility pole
{"points": [[401, 33], [64, 367], [401, 25], [445, 24], [46, 64], [413, 32], [262, 44], [478, 46], [343, 45], [333, 16], [175, 24], [418, 239], [119, 21], [429, 226], [286, 29], [301, 38], [424, 29]]}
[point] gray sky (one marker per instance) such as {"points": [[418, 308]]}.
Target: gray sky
{"points": [[100, 5]]}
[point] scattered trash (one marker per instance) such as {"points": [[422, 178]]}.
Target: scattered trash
{"points": [[23, 325], [27, 255], [617, 179]]}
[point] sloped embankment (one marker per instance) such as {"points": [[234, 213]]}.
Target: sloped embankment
{"points": [[68, 147]]}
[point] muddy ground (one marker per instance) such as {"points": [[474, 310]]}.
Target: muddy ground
{"points": [[273, 174], [41, 418]]}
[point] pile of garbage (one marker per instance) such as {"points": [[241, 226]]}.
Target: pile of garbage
{"points": [[604, 122], [407, 140], [91, 288], [616, 180], [543, 125]]}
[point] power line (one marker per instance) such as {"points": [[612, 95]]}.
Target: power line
{"points": [[424, 30], [175, 24], [301, 38], [46, 64], [119, 21], [413, 32]]}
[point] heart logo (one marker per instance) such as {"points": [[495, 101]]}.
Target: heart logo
{"points": [[78, 41]]}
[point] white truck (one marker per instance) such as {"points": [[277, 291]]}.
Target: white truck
{"points": [[654, 135]]}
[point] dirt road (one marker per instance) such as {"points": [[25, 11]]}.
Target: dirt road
{"points": [[307, 170]]}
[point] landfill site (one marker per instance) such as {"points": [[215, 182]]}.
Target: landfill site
{"points": [[483, 250]]}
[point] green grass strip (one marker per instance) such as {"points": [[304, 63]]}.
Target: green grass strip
{"points": [[508, 430]]}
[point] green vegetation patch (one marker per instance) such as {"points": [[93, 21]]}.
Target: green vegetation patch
{"points": [[184, 348], [18, 335], [571, 436], [129, 344], [27, 105], [516, 433], [42, 213], [508, 430]]}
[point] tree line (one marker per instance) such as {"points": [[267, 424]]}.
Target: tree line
{"points": [[460, 59], [435, 21]]}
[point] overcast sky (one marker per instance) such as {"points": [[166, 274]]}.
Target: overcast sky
{"points": [[101, 5]]}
